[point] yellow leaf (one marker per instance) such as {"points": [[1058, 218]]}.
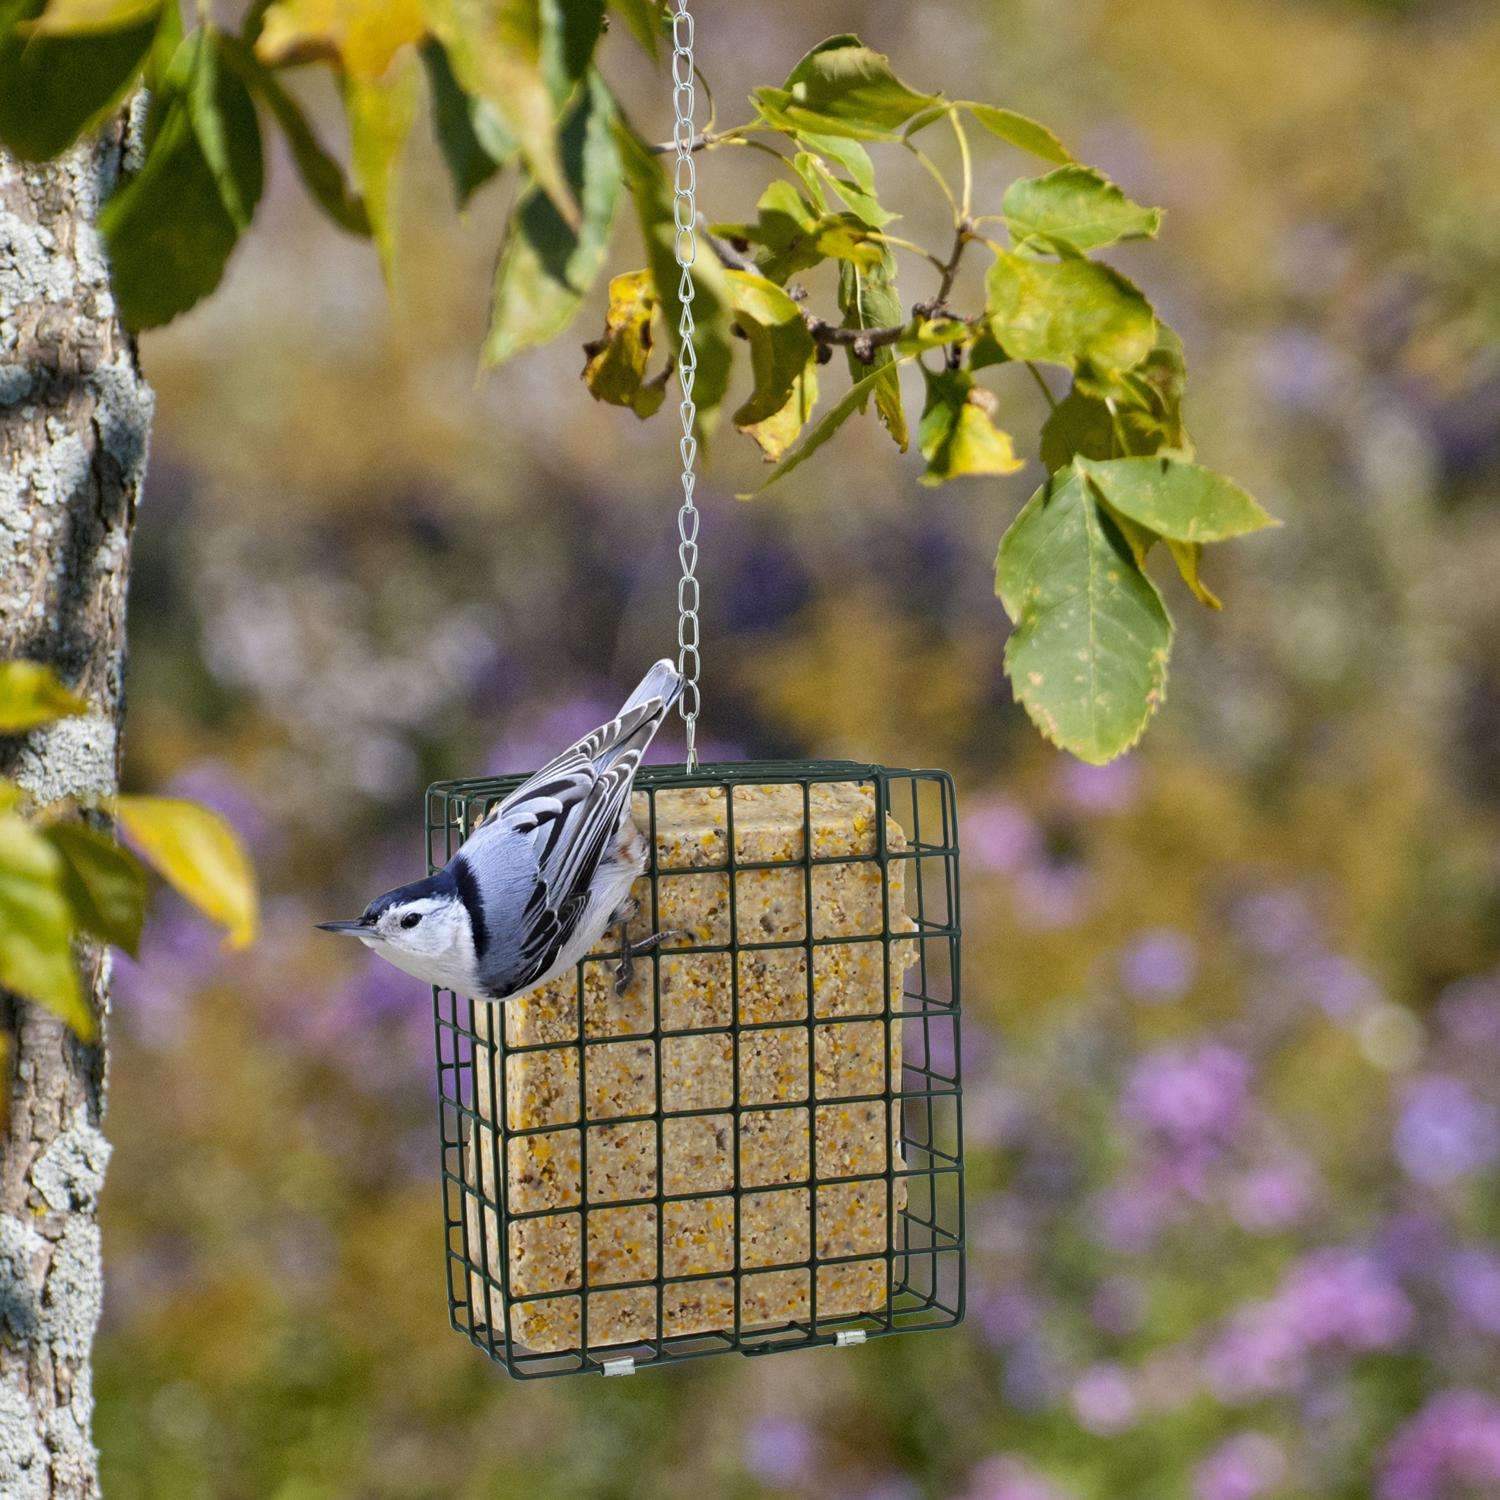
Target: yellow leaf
{"points": [[380, 115], [83, 17], [36, 928], [31, 694], [360, 36], [200, 856]]}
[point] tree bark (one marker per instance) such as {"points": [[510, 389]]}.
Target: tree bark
{"points": [[75, 414]]}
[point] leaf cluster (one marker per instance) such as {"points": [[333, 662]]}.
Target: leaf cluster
{"points": [[65, 877], [517, 86]]}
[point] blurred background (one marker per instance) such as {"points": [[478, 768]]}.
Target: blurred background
{"points": [[1232, 1022]]}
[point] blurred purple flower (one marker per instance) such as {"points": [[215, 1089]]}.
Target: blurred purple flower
{"points": [[1159, 964], [1275, 923], [1243, 1467], [1411, 1242], [1100, 789], [779, 1451], [1118, 1306], [1104, 1400], [1471, 1278], [1257, 1354], [1009, 1314], [1274, 1196], [220, 789], [1345, 1298], [1131, 1214], [1299, 367], [531, 742], [180, 953], [1332, 1298], [1469, 1014], [1337, 985], [999, 835], [380, 990], [1190, 1097], [1051, 894], [1453, 1441], [1443, 1131], [1007, 1477]]}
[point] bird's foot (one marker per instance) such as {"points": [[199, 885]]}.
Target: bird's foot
{"points": [[629, 952]]}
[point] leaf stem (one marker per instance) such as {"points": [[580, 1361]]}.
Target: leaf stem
{"points": [[968, 165], [1045, 389], [937, 176]]}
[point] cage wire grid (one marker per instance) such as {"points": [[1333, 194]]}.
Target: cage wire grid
{"points": [[921, 1114]]}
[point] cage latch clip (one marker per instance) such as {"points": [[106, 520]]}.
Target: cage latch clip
{"points": [[619, 1367], [844, 1337]]}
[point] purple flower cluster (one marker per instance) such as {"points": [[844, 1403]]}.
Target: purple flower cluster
{"points": [[1453, 1441], [1445, 1131], [1190, 1099], [1243, 1467], [1332, 1299]]}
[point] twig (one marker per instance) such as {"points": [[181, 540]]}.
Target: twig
{"points": [[863, 341]]}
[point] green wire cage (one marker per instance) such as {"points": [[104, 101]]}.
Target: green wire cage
{"points": [[752, 1140]]}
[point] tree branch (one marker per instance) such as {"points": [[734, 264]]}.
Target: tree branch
{"points": [[863, 341]]}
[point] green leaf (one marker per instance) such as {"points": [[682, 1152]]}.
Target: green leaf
{"points": [[1176, 499], [1068, 312], [1088, 656], [104, 884], [616, 368], [780, 344], [496, 49], [200, 856], [652, 196], [957, 434], [225, 125], [846, 153], [815, 172], [1018, 130], [320, 171], [57, 83], [792, 236], [570, 32], [644, 18], [380, 114], [781, 429], [546, 269], [842, 88], [854, 398], [171, 228], [11, 796], [471, 136], [31, 694], [1147, 415], [1077, 206], [869, 299], [36, 928]]}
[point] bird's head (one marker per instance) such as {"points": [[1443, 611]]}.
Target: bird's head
{"points": [[423, 928]]}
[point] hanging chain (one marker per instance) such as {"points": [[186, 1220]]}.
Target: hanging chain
{"points": [[685, 218]]}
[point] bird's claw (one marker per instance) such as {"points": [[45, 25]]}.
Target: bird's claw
{"points": [[629, 952]]}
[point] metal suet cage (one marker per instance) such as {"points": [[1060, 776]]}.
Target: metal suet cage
{"points": [[754, 1142]]}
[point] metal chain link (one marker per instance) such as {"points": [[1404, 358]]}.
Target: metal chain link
{"points": [[685, 218]]}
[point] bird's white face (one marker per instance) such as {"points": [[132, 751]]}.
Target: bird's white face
{"points": [[429, 937]]}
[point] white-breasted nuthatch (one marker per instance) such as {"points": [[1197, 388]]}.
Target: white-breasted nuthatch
{"points": [[536, 885]]}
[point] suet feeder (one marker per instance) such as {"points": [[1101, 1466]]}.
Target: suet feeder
{"points": [[753, 1145]]}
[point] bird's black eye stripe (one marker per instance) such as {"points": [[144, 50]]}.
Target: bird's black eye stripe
{"points": [[411, 919]]}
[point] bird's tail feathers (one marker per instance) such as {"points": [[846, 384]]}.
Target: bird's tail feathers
{"points": [[642, 714]]}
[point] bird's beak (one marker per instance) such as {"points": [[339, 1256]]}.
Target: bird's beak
{"points": [[355, 927]]}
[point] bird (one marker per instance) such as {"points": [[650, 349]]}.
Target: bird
{"points": [[536, 885]]}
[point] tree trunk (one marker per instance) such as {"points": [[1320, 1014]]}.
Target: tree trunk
{"points": [[74, 418]]}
